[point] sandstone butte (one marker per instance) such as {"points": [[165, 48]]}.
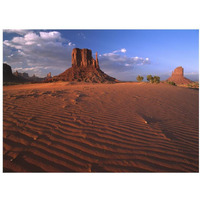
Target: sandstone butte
{"points": [[84, 69], [178, 76]]}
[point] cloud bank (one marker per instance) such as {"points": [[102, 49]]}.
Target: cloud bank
{"points": [[38, 53], [117, 61], [17, 31]]}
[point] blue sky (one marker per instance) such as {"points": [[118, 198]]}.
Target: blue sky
{"points": [[123, 54]]}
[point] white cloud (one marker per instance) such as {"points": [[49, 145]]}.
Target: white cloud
{"points": [[50, 35], [17, 69], [31, 37], [18, 40], [17, 31], [123, 50], [71, 44], [30, 69], [10, 55], [38, 52], [116, 62]]}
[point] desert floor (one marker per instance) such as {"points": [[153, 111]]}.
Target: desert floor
{"points": [[123, 127]]}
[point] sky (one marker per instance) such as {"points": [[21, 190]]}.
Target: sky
{"points": [[123, 54]]}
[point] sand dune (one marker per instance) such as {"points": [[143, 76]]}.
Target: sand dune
{"points": [[124, 127]]}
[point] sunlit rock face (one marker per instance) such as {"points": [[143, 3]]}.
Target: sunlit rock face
{"points": [[84, 68], [178, 76]]}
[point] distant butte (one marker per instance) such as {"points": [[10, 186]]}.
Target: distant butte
{"points": [[178, 76], [84, 69]]}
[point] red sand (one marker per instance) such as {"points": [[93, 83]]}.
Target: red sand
{"points": [[125, 127]]}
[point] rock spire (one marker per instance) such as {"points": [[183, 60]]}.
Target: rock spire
{"points": [[84, 68]]}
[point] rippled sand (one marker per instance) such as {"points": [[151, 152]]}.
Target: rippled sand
{"points": [[124, 127]]}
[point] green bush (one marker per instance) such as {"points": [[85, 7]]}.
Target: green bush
{"points": [[149, 78], [156, 79], [153, 79], [140, 78]]}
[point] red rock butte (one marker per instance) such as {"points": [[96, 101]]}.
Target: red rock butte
{"points": [[84, 69], [178, 76]]}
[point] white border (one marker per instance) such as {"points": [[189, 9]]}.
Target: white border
{"points": [[102, 14]]}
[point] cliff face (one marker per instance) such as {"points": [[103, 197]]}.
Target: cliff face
{"points": [[178, 72], [84, 68], [178, 76], [7, 72], [17, 77], [8, 76]]}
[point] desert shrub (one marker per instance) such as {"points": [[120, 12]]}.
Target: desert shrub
{"points": [[156, 79], [153, 79], [149, 78], [140, 78], [171, 83]]}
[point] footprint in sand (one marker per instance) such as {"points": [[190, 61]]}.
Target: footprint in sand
{"points": [[156, 127]]}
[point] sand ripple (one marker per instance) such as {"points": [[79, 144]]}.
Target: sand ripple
{"points": [[100, 128]]}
